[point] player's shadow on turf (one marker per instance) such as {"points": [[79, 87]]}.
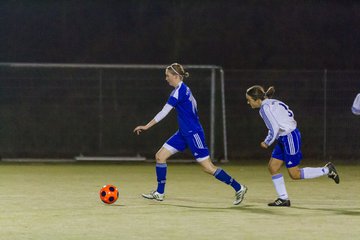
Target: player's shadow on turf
{"points": [[257, 210], [245, 208], [349, 211]]}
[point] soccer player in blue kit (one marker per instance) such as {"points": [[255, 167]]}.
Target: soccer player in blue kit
{"points": [[190, 134], [282, 126]]}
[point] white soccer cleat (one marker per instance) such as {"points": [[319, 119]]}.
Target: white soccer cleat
{"points": [[154, 195], [239, 195]]}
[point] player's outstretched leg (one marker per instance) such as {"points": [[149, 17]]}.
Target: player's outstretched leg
{"points": [[240, 189], [332, 172]]}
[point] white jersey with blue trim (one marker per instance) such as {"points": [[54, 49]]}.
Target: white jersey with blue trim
{"points": [[356, 105], [185, 104], [278, 118]]}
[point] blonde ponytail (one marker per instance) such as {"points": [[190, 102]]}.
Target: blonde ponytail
{"points": [[270, 92]]}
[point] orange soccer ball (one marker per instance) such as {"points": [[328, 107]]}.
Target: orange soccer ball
{"points": [[109, 194]]}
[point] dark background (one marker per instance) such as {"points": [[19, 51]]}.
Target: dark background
{"points": [[233, 34], [309, 50]]}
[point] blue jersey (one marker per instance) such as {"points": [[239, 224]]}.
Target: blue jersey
{"points": [[184, 102]]}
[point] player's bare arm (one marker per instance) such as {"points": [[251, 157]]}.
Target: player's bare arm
{"points": [[264, 145], [140, 128]]}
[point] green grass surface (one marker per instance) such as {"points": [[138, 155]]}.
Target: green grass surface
{"points": [[61, 201]]}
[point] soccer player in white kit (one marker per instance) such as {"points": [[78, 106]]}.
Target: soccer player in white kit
{"points": [[279, 120], [190, 135], [356, 105]]}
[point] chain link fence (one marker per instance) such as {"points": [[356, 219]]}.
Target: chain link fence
{"points": [[66, 112]]}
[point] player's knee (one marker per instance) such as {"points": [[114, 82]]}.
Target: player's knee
{"points": [[209, 167], [272, 170], [294, 175], [159, 159]]}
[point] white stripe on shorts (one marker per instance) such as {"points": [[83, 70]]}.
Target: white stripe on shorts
{"points": [[291, 144], [198, 141], [292, 148]]}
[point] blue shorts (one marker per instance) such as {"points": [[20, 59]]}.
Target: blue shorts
{"points": [[288, 149], [195, 141]]}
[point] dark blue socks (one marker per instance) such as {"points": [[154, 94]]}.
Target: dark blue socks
{"points": [[226, 178], [161, 169], [220, 174]]}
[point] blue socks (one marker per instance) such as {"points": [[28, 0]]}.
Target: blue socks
{"points": [[226, 178], [220, 174], [161, 169]]}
